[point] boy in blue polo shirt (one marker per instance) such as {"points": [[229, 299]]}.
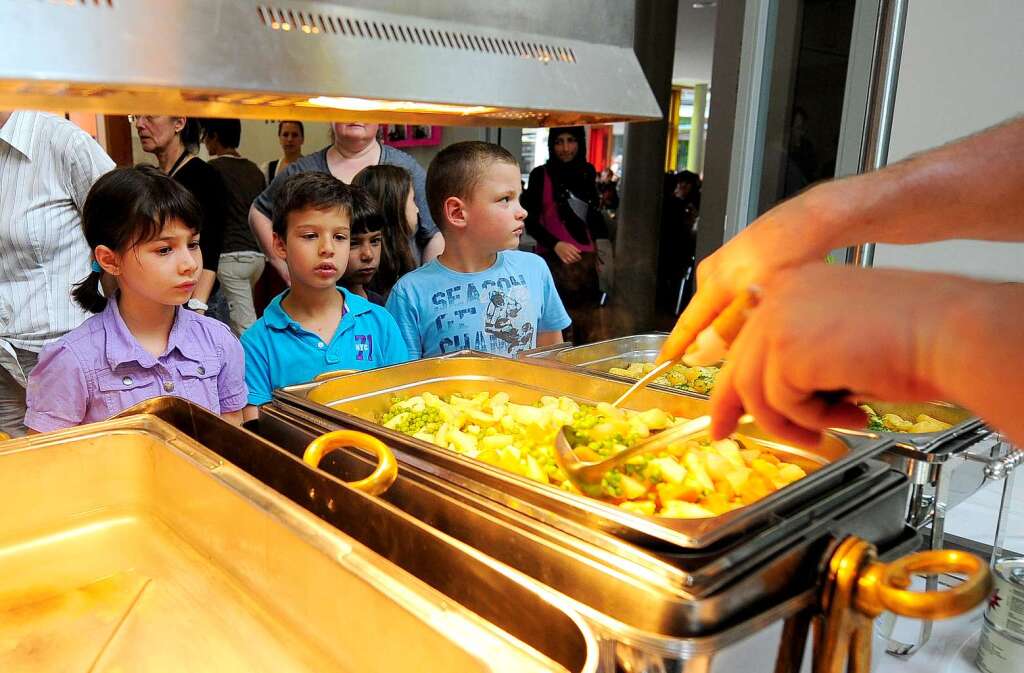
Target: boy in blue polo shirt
{"points": [[316, 326]]}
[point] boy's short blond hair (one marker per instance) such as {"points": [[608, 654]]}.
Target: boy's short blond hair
{"points": [[456, 170]]}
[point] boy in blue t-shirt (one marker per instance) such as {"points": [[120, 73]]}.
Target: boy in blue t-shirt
{"points": [[315, 326], [480, 293]]}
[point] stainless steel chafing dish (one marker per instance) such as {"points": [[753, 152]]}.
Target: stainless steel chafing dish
{"points": [[357, 400], [630, 597], [127, 545], [945, 468], [968, 445]]}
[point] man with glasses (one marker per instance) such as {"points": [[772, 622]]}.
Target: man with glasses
{"points": [[47, 166]]}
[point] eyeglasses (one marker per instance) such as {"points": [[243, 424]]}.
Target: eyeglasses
{"points": [[135, 119]]}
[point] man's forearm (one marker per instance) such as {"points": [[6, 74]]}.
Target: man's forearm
{"points": [[977, 357], [262, 229], [972, 188], [204, 286]]}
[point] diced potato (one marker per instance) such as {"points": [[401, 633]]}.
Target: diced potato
{"points": [[789, 473], [671, 471], [898, 423], [717, 465], [631, 488], [749, 455], [668, 492], [926, 423], [716, 503], [737, 478], [764, 468], [641, 507]]}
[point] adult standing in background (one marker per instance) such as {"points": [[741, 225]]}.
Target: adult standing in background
{"points": [[291, 135], [174, 142], [562, 215], [354, 147], [47, 166], [241, 261]]}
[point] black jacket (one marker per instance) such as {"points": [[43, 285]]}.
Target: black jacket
{"points": [[584, 188]]}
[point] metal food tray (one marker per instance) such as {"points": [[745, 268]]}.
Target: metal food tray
{"points": [[125, 545], [692, 574], [355, 400], [601, 356]]}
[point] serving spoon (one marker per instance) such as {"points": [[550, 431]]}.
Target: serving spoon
{"points": [[586, 474]]}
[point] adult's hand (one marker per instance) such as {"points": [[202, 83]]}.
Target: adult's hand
{"points": [[967, 189], [567, 252], [785, 237], [880, 334]]}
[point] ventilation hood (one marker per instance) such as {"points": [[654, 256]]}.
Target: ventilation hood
{"points": [[449, 62]]}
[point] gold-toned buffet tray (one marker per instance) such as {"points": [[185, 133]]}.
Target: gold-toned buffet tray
{"points": [[357, 400], [127, 546]]}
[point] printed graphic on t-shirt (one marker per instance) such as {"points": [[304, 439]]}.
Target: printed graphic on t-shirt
{"points": [[364, 347], [503, 320], [503, 303]]}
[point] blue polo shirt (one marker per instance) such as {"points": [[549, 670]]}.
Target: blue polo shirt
{"points": [[279, 352]]}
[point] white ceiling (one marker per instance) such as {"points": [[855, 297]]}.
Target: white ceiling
{"points": [[695, 41]]}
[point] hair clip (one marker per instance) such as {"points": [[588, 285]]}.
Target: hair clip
{"points": [[96, 268]]}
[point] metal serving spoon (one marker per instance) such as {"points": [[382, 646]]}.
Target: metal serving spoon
{"points": [[586, 474], [710, 345]]}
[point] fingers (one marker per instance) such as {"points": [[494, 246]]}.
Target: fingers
{"points": [[709, 301], [740, 388]]}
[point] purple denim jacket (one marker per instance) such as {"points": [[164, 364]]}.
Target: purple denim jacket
{"points": [[99, 369]]}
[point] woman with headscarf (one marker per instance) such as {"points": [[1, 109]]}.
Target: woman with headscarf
{"points": [[563, 217]]}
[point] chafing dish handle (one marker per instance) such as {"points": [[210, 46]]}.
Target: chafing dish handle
{"points": [[387, 467], [998, 468], [859, 588]]}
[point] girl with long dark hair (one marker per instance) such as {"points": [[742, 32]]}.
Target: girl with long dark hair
{"points": [[392, 189]]}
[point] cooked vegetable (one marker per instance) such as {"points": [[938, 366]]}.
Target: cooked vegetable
{"points": [[696, 379], [695, 478], [896, 423]]}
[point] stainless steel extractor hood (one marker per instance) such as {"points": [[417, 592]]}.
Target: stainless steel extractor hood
{"points": [[442, 62]]}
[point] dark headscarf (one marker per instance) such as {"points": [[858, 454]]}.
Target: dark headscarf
{"points": [[576, 176]]}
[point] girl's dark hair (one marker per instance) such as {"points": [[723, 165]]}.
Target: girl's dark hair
{"points": [[280, 125], [127, 207], [366, 217], [389, 186]]}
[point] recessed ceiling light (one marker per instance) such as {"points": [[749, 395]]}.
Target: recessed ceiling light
{"points": [[703, 4]]}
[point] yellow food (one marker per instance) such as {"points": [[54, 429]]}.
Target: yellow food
{"points": [[696, 379], [896, 423], [691, 479]]}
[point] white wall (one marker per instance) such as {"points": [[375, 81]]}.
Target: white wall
{"points": [[962, 71], [695, 44]]}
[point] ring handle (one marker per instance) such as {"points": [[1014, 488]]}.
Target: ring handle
{"points": [[885, 586], [383, 475]]}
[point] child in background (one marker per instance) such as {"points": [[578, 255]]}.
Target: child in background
{"points": [[364, 255], [143, 228], [315, 326], [391, 188], [481, 293]]}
